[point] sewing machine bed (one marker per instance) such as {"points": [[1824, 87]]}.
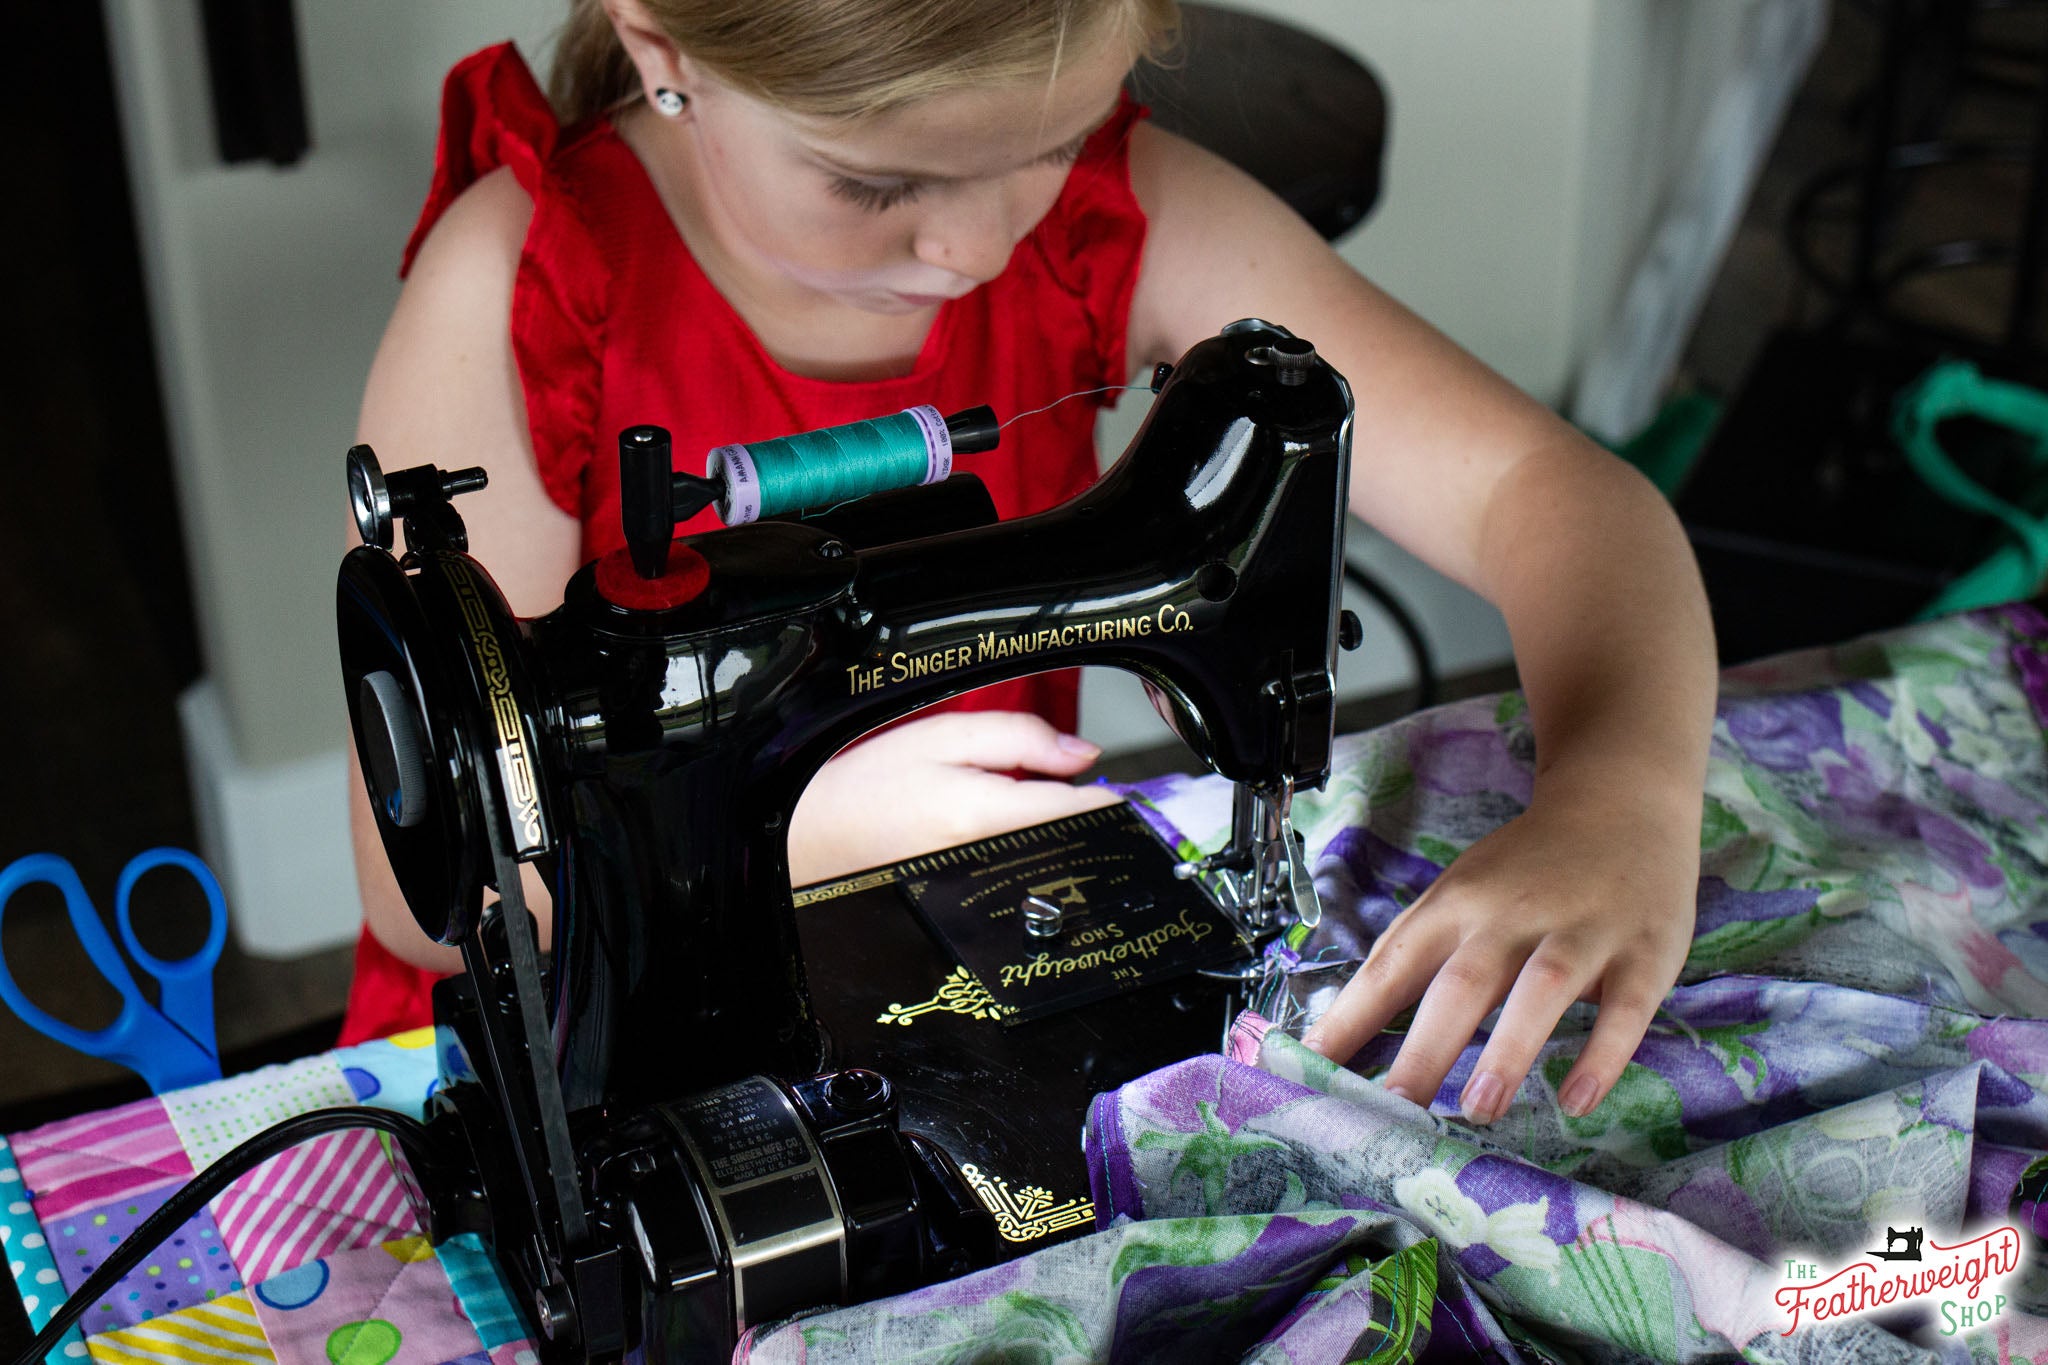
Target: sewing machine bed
{"points": [[1858, 1041]]}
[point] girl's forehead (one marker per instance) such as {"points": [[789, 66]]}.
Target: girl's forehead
{"points": [[977, 130]]}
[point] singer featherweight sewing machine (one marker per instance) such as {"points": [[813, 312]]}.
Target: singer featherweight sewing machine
{"points": [[716, 1103]]}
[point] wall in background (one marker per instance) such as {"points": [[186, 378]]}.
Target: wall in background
{"points": [[269, 288], [1533, 152]]}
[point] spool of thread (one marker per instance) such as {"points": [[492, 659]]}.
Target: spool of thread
{"points": [[823, 468]]}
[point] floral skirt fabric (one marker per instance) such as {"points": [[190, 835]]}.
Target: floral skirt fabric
{"points": [[1842, 1106]]}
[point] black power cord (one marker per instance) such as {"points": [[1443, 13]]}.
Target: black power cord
{"points": [[188, 1201]]}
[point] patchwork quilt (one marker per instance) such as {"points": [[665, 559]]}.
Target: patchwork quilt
{"points": [[313, 1256], [1833, 1144]]}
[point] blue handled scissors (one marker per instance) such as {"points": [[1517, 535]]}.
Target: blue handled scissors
{"points": [[169, 1044]]}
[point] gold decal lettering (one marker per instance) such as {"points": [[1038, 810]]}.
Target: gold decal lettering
{"points": [[1172, 620], [1046, 967], [515, 769], [991, 646]]}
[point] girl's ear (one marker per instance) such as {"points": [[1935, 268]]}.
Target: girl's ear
{"points": [[661, 64]]}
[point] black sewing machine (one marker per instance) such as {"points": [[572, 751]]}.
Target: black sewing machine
{"points": [[673, 1130]]}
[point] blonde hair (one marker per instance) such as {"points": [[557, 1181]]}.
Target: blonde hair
{"points": [[847, 58]]}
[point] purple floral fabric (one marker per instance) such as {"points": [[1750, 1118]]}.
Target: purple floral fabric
{"points": [[1858, 1045]]}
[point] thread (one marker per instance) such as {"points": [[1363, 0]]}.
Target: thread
{"points": [[831, 465], [1079, 393]]}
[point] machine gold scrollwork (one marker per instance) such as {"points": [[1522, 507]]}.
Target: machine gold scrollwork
{"points": [[1028, 1214], [960, 993]]}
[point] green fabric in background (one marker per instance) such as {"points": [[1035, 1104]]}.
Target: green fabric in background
{"points": [[1666, 450], [1955, 389]]}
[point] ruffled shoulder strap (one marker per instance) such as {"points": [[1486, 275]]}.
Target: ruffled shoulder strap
{"points": [[493, 113], [1093, 238]]}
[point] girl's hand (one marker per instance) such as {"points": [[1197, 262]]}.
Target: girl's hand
{"points": [[932, 783], [1576, 899]]}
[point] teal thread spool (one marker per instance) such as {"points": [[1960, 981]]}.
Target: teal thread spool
{"points": [[807, 472], [831, 465]]}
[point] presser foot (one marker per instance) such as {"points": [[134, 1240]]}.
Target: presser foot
{"points": [[1261, 878]]}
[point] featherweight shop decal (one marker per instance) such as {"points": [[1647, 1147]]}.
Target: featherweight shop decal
{"points": [[1105, 946], [992, 646], [1959, 1283]]}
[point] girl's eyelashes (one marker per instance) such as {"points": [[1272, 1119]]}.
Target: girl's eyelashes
{"points": [[872, 197], [880, 198], [1067, 155]]}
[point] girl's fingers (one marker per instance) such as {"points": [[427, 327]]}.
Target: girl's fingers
{"points": [[1470, 983], [1628, 1002], [1549, 982], [999, 741], [1391, 979]]}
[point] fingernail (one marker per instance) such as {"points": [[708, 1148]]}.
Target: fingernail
{"points": [[1481, 1098], [1313, 1040], [1578, 1096], [1074, 744], [1398, 1090]]}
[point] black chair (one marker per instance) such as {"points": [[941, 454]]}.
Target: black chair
{"points": [[1304, 117]]}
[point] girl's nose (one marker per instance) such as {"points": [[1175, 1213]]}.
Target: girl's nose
{"points": [[967, 231]]}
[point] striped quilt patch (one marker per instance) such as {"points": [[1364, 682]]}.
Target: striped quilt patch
{"points": [[223, 1332], [102, 1158], [334, 1193]]}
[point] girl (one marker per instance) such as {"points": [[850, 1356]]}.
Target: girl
{"points": [[747, 220]]}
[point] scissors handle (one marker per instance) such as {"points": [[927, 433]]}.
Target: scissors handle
{"points": [[140, 1038], [186, 984], [52, 870]]}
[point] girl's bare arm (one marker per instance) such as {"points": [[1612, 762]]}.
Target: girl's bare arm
{"points": [[1590, 893]]}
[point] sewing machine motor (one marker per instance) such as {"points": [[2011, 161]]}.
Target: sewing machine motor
{"points": [[672, 1132]]}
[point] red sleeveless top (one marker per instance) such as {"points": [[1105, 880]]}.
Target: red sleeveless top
{"points": [[614, 325]]}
